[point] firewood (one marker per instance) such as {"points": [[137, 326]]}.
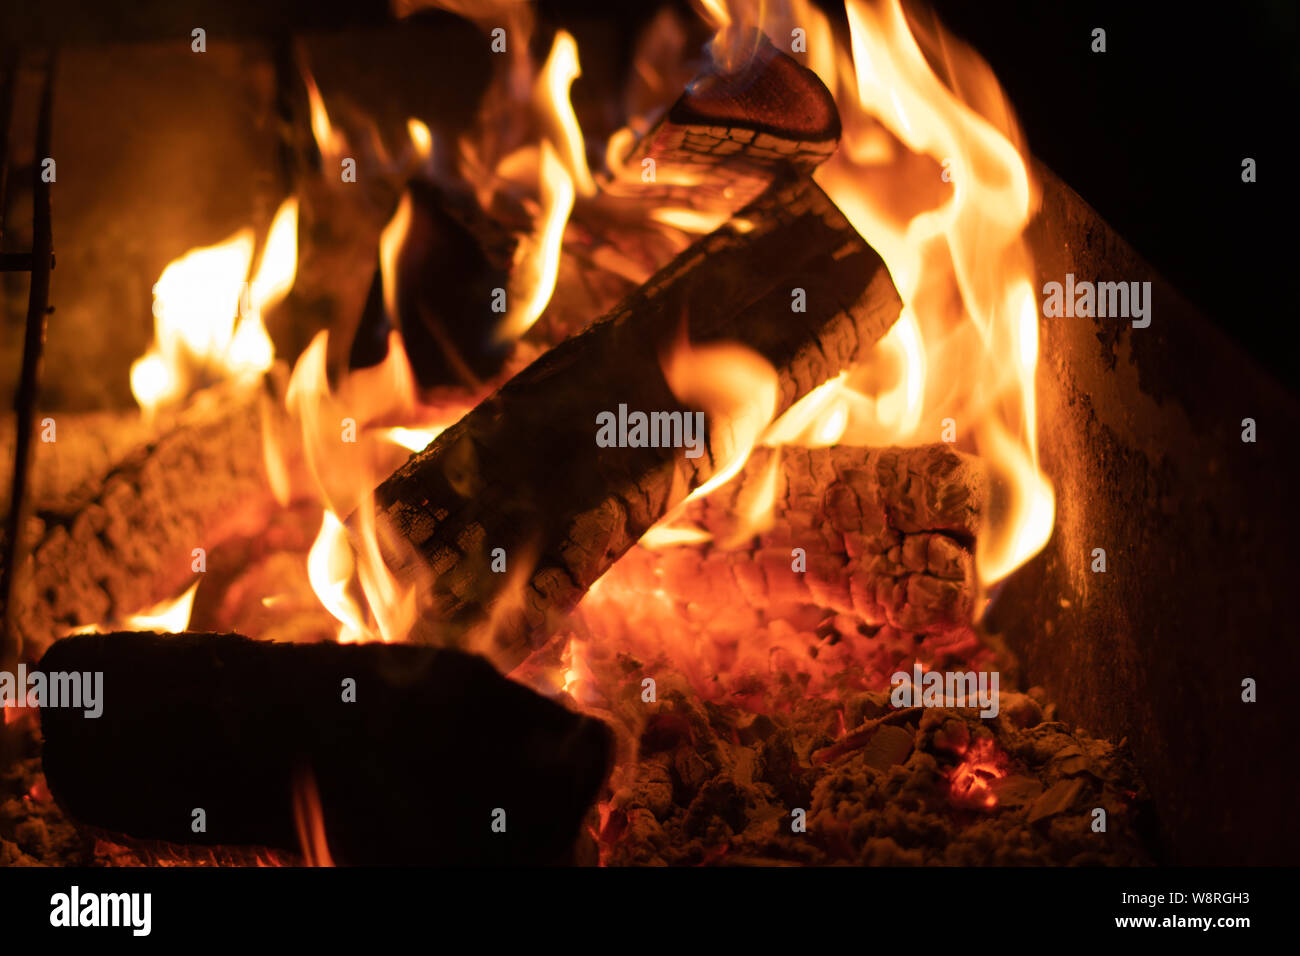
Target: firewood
{"points": [[86, 447], [885, 534], [451, 258], [414, 751], [523, 473], [131, 545], [730, 134]]}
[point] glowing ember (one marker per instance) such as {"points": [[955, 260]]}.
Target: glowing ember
{"points": [[969, 781]]}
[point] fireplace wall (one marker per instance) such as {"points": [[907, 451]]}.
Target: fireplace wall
{"points": [[1141, 433]]}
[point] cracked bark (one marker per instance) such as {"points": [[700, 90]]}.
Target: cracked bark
{"points": [[887, 535], [522, 471]]}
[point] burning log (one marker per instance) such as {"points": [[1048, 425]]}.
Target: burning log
{"points": [[884, 534], [447, 258], [89, 445], [523, 473], [731, 133], [132, 544], [415, 752]]}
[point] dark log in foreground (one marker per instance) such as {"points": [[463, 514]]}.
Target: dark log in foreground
{"points": [[523, 472], [411, 772], [887, 535]]}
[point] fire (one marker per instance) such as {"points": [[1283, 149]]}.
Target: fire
{"points": [[346, 449], [171, 616], [330, 567], [208, 313], [421, 138], [537, 262], [936, 182], [329, 141], [551, 99], [737, 389], [413, 439], [309, 820], [959, 258], [562, 174]]}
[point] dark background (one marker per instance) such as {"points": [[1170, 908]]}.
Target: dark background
{"points": [[1152, 133]]}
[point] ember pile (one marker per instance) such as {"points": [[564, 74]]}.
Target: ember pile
{"points": [[792, 459]]}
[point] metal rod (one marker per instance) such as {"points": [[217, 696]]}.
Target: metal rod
{"points": [[8, 86], [25, 399], [18, 262]]}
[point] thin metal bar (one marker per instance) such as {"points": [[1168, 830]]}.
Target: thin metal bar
{"points": [[8, 89], [18, 262], [25, 399]]}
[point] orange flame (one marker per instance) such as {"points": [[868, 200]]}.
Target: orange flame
{"points": [[937, 182], [348, 445], [309, 820], [329, 141], [736, 388], [562, 174]]}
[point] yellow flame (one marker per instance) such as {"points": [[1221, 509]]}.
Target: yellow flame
{"points": [[208, 314], [346, 451], [537, 258], [413, 439], [168, 616], [662, 536], [391, 240], [330, 567], [421, 138], [557, 77], [936, 181]]}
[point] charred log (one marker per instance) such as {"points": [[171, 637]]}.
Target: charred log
{"points": [[411, 767], [131, 544], [451, 258], [884, 534], [523, 473], [732, 133]]}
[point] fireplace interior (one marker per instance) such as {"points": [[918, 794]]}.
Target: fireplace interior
{"points": [[472, 432]]}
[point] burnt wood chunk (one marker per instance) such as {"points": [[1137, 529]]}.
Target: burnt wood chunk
{"points": [[523, 472], [129, 543], [451, 258], [731, 133], [411, 772], [887, 535]]}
